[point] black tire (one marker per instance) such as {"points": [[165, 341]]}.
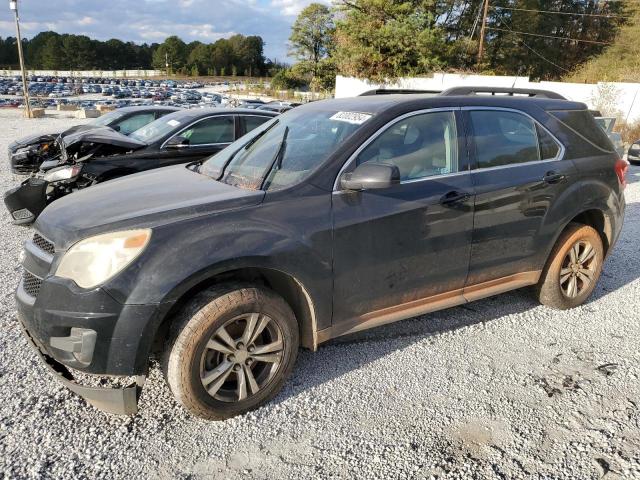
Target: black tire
{"points": [[189, 360], [551, 290]]}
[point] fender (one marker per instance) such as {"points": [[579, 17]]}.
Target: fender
{"points": [[582, 196]]}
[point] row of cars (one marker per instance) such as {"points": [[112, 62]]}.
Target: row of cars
{"points": [[335, 217]]}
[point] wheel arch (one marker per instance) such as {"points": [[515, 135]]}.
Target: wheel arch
{"points": [[290, 288]]}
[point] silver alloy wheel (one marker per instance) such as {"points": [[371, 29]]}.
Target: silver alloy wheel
{"points": [[241, 357], [578, 269]]}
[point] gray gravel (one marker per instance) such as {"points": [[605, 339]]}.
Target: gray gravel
{"points": [[501, 388]]}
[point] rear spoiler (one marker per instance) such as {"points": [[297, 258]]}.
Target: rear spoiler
{"points": [[528, 92]]}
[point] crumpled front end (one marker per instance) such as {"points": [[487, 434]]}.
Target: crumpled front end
{"points": [[26, 156]]}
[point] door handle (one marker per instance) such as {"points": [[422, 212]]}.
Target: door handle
{"points": [[453, 197], [553, 177]]}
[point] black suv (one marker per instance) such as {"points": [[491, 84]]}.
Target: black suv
{"points": [[335, 217]]}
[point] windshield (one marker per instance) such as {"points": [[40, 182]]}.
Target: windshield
{"points": [[106, 119], [284, 151], [157, 129]]}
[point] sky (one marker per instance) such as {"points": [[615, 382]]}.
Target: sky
{"points": [[153, 20]]}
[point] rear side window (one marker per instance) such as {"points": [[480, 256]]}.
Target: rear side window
{"points": [[583, 124], [503, 138], [549, 149], [253, 121]]}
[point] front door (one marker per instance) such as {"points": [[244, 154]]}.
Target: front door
{"points": [[202, 139], [397, 248]]}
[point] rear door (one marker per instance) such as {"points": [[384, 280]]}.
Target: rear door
{"points": [[519, 172], [397, 249]]}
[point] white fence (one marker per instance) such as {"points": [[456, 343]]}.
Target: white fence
{"points": [[86, 73], [613, 99]]}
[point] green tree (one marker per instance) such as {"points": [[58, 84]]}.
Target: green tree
{"points": [[287, 79], [381, 40], [173, 49], [311, 40]]}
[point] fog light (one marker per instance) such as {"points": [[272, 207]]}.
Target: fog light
{"points": [[80, 342], [22, 214]]}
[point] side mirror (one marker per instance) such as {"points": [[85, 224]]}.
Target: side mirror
{"points": [[116, 128], [177, 142], [369, 176]]}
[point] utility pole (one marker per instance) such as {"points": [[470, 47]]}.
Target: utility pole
{"points": [[13, 5], [166, 62], [482, 31]]}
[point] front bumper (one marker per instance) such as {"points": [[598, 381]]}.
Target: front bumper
{"points": [[119, 401], [26, 201]]}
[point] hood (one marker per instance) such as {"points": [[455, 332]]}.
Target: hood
{"points": [[79, 128], [105, 135], [145, 199], [32, 140]]}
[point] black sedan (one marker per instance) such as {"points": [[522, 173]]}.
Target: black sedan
{"points": [[93, 156], [28, 153]]}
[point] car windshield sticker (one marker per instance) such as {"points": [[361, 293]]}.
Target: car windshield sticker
{"points": [[173, 123], [352, 117]]}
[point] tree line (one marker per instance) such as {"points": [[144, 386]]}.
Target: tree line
{"points": [[237, 55], [385, 40], [372, 39]]}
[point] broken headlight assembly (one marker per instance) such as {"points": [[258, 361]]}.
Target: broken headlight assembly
{"points": [[60, 174]]}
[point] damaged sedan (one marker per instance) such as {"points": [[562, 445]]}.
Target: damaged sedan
{"points": [[88, 157], [28, 153]]}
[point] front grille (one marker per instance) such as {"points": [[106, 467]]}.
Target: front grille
{"points": [[31, 284], [43, 244]]}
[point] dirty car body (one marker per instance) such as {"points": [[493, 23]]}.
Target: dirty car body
{"points": [[338, 212]]}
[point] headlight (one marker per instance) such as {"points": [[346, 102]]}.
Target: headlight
{"points": [[95, 260], [62, 173]]}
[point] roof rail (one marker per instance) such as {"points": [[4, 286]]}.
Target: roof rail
{"points": [[529, 92], [394, 91]]}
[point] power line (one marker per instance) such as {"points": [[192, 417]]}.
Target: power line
{"points": [[555, 37], [537, 53], [555, 12]]}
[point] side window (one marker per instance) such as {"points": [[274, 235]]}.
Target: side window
{"points": [[135, 122], [503, 138], [549, 148], [253, 121], [420, 146], [211, 130]]}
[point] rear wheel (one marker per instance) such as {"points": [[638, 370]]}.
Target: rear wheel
{"points": [[230, 351], [573, 268]]}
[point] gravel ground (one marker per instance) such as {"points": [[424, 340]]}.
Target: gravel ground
{"points": [[501, 388]]}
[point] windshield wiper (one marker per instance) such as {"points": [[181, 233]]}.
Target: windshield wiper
{"points": [[277, 160]]}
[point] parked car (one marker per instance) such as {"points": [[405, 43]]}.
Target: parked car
{"points": [[633, 154], [27, 154], [335, 217], [94, 156], [607, 124]]}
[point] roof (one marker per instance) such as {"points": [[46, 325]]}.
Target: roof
{"points": [[379, 103], [212, 111], [155, 108]]}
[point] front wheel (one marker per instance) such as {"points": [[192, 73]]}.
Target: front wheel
{"points": [[230, 351], [573, 268]]}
